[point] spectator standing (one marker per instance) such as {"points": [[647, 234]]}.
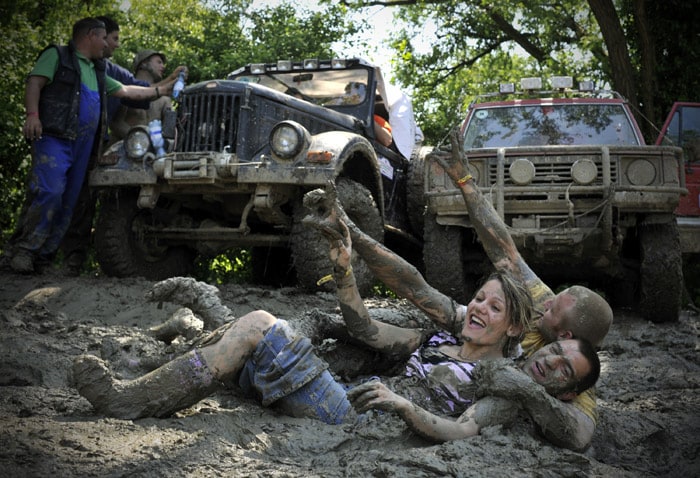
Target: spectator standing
{"points": [[76, 242], [63, 99]]}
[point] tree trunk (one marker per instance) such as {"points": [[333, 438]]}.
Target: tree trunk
{"points": [[620, 63], [648, 82]]}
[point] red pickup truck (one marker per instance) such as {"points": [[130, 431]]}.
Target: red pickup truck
{"points": [[682, 128], [585, 199]]}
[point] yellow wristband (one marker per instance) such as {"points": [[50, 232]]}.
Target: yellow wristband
{"points": [[463, 181], [330, 277], [324, 279]]}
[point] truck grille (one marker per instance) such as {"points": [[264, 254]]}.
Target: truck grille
{"points": [[552, 170], [209, 121]]}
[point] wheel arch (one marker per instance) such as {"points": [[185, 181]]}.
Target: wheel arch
{"points": [[356, 160]]}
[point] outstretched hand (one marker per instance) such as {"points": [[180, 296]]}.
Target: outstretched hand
{"points": [[453, 163], [324, 217]]}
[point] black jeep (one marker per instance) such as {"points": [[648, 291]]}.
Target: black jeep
{"points": [[240, 154]]}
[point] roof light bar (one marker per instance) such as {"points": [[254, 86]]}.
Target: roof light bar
{"points": [[338, 63], [531, 83], [506, 88], [586, 85], [284, 65], [561, 82]]}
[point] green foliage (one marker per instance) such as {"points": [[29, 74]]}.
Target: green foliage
{"points": [[479, 44], [211, 37], [381, 290], [233, 266]]}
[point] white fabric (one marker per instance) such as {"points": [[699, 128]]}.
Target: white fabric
{"points": [[405, 131]]}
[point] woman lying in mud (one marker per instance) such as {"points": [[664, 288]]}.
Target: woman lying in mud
{"points": [[263, 356]]}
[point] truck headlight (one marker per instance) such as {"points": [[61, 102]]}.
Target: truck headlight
{"points": [[288, 139], [641, 172], [137, 142], [522, 171], [584, 171]]}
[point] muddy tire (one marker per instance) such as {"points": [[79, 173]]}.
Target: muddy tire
{"points": [[661, 272], [123, 252], [415, 190], [310, 249], [444, 261]]}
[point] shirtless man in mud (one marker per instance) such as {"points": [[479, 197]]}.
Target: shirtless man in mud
{"points": [[576, 312]]}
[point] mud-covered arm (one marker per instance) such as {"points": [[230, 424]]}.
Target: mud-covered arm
{"points": [[562, 423], [492, 231], [486, 412], [403, 278], [387, 338]]}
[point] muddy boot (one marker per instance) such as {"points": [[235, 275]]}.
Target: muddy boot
{"points": [[182, 323], [202, 298], [178, 384], [22, 261]]}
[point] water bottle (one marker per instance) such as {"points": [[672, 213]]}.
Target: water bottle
{"points": [[179, 84], [156, 133]]}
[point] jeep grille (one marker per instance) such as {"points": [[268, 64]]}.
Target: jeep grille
{"points": [[210, 121]]}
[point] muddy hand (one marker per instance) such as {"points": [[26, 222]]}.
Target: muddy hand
{"points": [[373, 395], [453, 163], [322, 215]]}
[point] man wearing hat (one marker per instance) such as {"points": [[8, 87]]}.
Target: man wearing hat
{"points": [[148, 66]]}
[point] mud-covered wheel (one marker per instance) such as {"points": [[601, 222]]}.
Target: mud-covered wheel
{"points": [[310, 249], [123, 251], [415, 189], [661, 272], [443, 256]]}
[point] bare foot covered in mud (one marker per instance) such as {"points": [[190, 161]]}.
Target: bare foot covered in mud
{"points": [[202, 298], [182, 323]]}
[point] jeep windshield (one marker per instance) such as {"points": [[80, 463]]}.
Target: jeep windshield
{"points": [[498, 126], [325, 88]]}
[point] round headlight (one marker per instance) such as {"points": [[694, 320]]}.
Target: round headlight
{"points": [[137, 143], [584, 171], [522, 171], [641, 173], [287, 139]]}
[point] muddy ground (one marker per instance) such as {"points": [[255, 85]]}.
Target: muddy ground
{"points": [[648, 400]]}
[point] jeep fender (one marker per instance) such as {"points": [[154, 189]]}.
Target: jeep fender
{"points": [[354, 158]]}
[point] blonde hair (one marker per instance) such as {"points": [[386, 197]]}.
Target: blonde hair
{"points": [[519, 306]]}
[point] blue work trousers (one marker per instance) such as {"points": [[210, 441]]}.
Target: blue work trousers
{"points": [[58, 171]]}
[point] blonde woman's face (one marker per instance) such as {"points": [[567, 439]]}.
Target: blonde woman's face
{"points": [[487, 322]]}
